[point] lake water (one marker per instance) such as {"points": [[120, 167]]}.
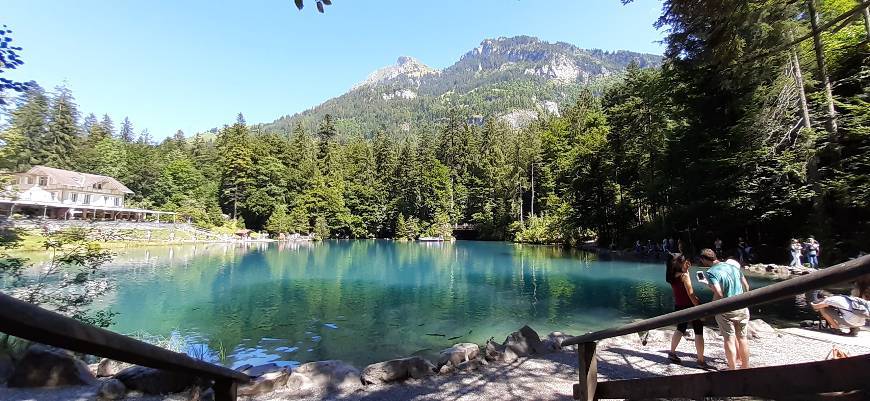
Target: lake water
{"points": [[366, 301]]}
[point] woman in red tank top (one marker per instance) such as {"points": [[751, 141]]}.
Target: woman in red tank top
{"points": [[677, 275]]}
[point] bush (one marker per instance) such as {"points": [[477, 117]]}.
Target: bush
{"points": [[538, 230]]}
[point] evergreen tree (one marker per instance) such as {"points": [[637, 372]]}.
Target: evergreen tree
{"points": [[60, 141], [126, 132], [28, 131], [235, 152], [108, 125], [89, 121]]}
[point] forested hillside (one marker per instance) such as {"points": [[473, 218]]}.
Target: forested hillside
{"points": [[738, 133], [514, 78]]}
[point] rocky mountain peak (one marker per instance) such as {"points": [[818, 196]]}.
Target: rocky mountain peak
{"points": [[407, 71]]}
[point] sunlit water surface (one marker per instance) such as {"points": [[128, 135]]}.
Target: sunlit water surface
{"points": [[366, 301]]}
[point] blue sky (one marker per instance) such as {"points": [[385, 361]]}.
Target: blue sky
{"points": [[194, 64]]}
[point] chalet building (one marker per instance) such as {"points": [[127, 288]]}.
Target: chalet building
{"points": [[62, 194]]}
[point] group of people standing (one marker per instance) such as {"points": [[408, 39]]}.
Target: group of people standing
{"points": [[809, 250], [724, 279]]}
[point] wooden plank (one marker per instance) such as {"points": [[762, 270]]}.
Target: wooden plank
{"points": [[587, 372], [30, 322], [841, 273], [772, 381]]}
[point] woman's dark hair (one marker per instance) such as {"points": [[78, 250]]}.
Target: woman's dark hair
{"points": [[674, 260]]}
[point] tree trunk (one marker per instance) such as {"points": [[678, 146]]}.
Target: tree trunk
{"points": [[867, 22], [831, 123], [799, 81], [533, 189]]}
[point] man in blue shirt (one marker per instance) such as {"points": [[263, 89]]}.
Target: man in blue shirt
{"points": [[726, 280]]}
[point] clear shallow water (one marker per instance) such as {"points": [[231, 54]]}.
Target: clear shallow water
{"points": [[366, 301]]}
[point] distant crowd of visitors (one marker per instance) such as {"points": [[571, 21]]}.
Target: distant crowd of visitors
{"points": [[726, 279], [807, 251]]}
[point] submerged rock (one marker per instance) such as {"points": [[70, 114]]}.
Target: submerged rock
{"points": [[154, 381], [260, 370], [397, 370], [43, 366]]}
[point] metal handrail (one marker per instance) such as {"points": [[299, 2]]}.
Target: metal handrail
{"points": [[30, 322], [840, 273]]}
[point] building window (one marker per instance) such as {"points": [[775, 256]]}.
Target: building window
{"points": [[87, 200], [28, 180], [98, 185], [74, 197], [118, 202], [43, 181], [54, 196]]}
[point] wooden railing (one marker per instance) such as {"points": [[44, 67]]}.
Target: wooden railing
{"points": [[33, 323], [773, 381]]}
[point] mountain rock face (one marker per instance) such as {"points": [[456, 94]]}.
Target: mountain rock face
{"points": [[407, 70], [514, 79]]}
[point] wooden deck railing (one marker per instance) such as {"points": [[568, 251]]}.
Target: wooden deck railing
{"points": [[33, 323], [773, 381]]}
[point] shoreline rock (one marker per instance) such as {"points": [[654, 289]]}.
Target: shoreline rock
{"points": [[154, 381], [43, 366], [397, 370]]}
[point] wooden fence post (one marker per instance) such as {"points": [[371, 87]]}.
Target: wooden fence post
{"points": [[225, 390], [587, 368]]}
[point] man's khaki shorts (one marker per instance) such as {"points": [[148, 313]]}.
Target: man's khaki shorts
{"points": [[734, 323]]}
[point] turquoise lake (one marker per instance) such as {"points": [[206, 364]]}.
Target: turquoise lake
{"points": [[366, 301]]}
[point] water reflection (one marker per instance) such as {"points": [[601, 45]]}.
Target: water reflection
{"points": [[363, 301]]}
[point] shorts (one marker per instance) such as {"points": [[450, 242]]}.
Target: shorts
{"points": [[697, 324], [734, 323]]}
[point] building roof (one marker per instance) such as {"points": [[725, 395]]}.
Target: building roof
{"points": [[77, 179]]}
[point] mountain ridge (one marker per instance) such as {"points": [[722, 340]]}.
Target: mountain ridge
{"points": [[520, 75]]}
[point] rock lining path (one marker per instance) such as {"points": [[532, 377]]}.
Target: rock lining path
{"points": [[546, 377]]}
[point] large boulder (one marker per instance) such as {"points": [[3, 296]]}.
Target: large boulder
{"points": [[6, 367], [525, 342], [112, 389], [554, 341], [154, 381], [267, 381], [495, 352], [397, 370], [329, 376], [471, 365], [457, 354], [49, 367], [110, 367], [760, 329]]}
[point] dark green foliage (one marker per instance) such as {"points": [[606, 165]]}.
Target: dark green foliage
{"points": [[9, 60]]}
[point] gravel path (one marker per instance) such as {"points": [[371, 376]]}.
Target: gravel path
{"points": [[549, 377]]}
